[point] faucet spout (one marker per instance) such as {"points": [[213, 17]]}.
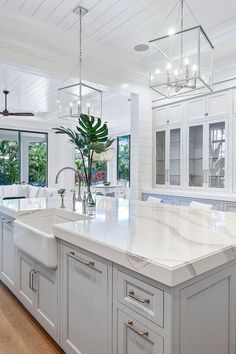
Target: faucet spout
{"points": [[78, 198]]}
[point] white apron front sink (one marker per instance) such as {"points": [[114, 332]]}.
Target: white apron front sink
{"points": [[33, 233]]}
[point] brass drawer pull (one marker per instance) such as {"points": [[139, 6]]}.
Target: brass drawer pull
{"points": [[33, 288], [30, 279], [142, 334], [131, 294], [7, 221], [89, 264]]}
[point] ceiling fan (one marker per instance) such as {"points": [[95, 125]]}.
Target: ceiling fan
{"points": [[6, 113]]}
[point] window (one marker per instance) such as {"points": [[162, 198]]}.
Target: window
{"points": [[99, 173], [123, 157], [9, 157], [23, 157]]}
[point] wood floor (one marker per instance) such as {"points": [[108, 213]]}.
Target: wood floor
{"points": [[19, 332]]}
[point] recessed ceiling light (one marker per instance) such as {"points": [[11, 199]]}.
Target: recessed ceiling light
{"points": [[141, 47], [171, 31]]}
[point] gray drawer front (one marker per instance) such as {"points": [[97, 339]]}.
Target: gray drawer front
{"points": [[141, 297]]}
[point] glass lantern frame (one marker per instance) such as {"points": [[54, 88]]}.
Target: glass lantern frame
{"points": [[81, 99], [207, 85]]}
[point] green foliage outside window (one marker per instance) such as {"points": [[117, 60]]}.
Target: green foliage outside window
{"points": [[9, 162], [123, 157], [37, 162]]}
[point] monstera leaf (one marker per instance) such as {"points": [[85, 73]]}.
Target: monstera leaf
{"points": [[92, 129], [91, 135]]}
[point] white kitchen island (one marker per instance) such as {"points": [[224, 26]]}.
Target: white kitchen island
{"points": [[134, 278]]}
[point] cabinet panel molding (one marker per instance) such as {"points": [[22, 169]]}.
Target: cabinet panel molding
{"points": [[135, 337], [207, 315], [86, 307]]}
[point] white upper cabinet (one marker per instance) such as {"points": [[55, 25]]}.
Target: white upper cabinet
{"points": [[196, 108], [172, 114], [168, 161], [219, 104], [160, 116], [212, 106], [176, 113], [208, 155]]}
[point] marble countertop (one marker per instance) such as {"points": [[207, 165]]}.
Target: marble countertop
{"points": [[169, 244], [16, 207]]}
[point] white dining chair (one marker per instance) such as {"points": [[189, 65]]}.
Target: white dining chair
{"points": [[203, 206], [154, 200]]}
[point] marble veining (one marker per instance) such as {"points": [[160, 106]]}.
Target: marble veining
{"points": [[170, 244], [177, 241]]}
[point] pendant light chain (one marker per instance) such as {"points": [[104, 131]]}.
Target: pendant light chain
{"points": [[80, 63], [80, 45]]}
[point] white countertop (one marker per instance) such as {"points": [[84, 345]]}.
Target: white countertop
{"points": [[17, 207], [169, 244]]}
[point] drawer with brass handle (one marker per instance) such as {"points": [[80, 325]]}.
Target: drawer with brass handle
{"points": [[136, 336], [141, 297]]}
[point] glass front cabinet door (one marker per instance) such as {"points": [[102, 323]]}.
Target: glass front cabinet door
{"points": [[168, 157], [207, 156]]}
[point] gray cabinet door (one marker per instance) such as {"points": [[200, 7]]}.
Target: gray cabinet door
{"points": [[136, 338], [25, 269], [207, 315], [85, 303], [8, 253], [46, 299]]}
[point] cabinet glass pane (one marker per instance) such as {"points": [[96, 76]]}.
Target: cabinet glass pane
{"points": [[196, 156], [216, 177], [175, 157], [160, 157]]}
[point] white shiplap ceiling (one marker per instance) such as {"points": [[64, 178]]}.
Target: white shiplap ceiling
{"points": [[38, 94], [111, 26], [121, 23]]}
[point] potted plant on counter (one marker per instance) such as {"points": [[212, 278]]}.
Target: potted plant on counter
{"points": [[90, 137]]}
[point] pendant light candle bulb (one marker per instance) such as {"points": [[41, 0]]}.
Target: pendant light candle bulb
{"points": [[88, 108], [186, 61], [171, 31], [194, 68]]}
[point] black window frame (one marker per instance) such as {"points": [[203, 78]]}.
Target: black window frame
{"points": [[117, 155], [19, 152]]}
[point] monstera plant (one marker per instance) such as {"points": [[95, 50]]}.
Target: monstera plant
{"points": [[90, 136]]}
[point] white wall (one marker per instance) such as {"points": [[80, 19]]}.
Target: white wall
{"points": [[141, 143]]}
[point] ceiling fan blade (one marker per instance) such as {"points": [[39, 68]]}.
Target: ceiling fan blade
{"points": [[21, 114]]}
